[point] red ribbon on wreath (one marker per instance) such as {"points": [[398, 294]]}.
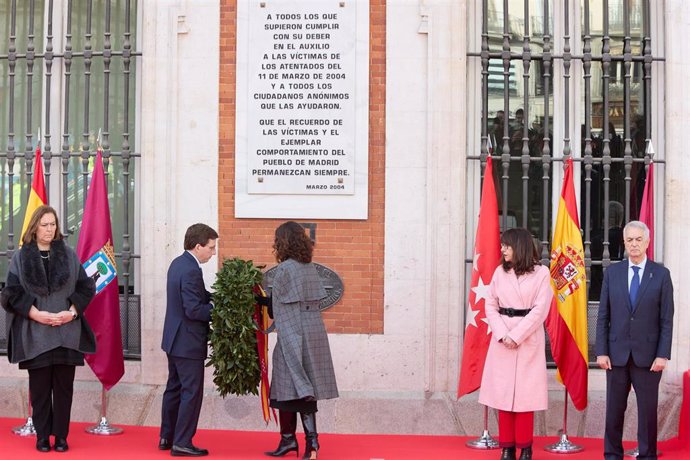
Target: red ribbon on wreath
{"points": [[262, 320]]}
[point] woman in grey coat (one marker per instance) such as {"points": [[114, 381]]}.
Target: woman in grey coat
{"points": [[302, 365], [45, 294]]}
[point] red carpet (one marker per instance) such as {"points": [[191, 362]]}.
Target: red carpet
{"points": [[141, 443], [684, 422]]}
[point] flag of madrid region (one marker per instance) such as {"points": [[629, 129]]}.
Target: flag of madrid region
{"points": [[487, 256], [101, 266]]}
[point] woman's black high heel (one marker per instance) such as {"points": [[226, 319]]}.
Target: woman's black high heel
{"points": [[311, 450], [288, 440]]}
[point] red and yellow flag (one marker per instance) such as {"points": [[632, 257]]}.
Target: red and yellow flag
{"points": [[37, 195], [262, 320], [567, 320]]}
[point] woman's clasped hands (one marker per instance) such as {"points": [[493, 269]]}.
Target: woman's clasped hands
{"points": [[51, 319], [509, 343]]}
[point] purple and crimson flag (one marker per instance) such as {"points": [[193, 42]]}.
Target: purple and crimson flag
{"points": [[97, 255]]}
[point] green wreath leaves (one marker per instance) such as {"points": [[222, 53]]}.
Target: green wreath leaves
{"points": [[234, 355]]}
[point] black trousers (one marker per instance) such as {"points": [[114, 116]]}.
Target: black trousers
{"points": [[51, 389], [182, 400], [646, 384]]}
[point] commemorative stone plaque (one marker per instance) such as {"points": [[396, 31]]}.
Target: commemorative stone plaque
{"points": [[329, 279], [302, 109]]}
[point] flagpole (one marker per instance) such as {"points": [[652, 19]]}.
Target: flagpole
{"points": [[647, 218], [485, 441], [28, 428], [564, 446], [103, 427]]}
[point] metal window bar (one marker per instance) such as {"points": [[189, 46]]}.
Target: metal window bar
{"points": [[12, 198], [598, 158]]}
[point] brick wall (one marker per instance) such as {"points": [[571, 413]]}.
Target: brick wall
{"points": [[354, 249]]}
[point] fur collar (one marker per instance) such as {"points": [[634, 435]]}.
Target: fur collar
{"points": [[33, 271]]}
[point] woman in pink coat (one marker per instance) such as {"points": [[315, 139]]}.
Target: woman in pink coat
{"points": [[514, 379]]}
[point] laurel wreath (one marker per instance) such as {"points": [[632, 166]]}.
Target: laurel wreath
{"points": [[234, 355]]}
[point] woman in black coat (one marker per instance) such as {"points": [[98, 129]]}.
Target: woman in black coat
{"points": [[45, 295]]}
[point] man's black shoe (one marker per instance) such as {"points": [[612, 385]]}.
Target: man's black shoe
{"points": [[43, 445], [61, 445], [191, 451], [164, 444]]}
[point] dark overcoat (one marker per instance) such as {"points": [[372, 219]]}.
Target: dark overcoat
{"points": [[28, 284], [302, 363], [188, 311]]}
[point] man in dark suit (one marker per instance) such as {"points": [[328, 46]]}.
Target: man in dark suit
{"points": [[634, 331], [185, 340]]}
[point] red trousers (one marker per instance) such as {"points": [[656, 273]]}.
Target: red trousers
{"points": [[515, 429]]}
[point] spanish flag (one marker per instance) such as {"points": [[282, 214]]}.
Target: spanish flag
{"points": [[262, 320], [567, 320], [37, 195]]}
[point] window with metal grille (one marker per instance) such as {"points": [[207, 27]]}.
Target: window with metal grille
{"points": [[578, 80], [68, 68]]}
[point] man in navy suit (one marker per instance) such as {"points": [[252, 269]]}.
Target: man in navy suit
{"points": [[634, 331], [185, 341]]}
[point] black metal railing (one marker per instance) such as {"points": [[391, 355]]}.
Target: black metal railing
{"points": [[70, 64], [518, 117]]}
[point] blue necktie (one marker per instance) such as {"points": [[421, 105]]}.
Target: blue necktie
{"points": [[634, 285]]}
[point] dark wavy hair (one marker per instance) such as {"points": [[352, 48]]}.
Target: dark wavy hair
{"points": [[525, 254], [199, 234], [30, 233], [292, 242]]}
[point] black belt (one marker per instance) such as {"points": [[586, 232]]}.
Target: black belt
{"points": [[513, 311]]}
